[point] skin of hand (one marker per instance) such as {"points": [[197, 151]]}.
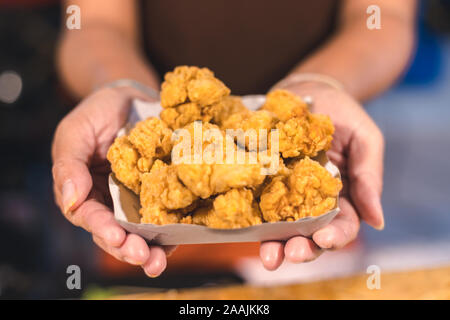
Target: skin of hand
{"points": [[357, 151], [80, 174]]}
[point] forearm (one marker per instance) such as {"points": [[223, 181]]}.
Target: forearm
{"points": [[366, 62], [98, 54]]}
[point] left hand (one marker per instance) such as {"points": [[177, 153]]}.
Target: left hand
{"points": [[357, 150], [80, 172]]}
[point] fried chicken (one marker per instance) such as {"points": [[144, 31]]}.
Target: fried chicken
{"points": [[152, 138], [182, 115], [247, 126], [213, 173], [235, 209], [180, 165], [127, 164], [308, 190], [285, 105], [162, 194], [133, 154], [305, 136], [191, 84], [225, 108]]}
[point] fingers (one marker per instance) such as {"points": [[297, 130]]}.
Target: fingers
{"points": [[341, 230], [98, 219], [271, 254], [366, 174], [367, 199], [300, 249], [136, 252], [157, 262]]}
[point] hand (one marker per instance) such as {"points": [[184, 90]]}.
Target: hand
{"points": [[80, 173], [357, 150]]}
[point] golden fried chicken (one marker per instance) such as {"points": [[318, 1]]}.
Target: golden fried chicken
{"points": [[191, 84], [285, 105], [251, 122], [152, 138], [235, 209], [308, 190], [201, 183], [305, 136], [133, 154], [127, 164], [205, 180], [182, 115], [207, 171], [162, 194], [225, 108]]}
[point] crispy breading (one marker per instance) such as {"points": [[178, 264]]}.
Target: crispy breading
{"points": [[152, 138], [251, 123], [182, 115], [209, 172], [162, 185], [222, 110], [127, 164], [205, 180], [191, 84], [305, 136], [285, 105], [162, 193], [156, 215], [235, 209], [309, 190]]}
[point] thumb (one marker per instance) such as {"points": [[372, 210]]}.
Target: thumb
{"points": [[366, 174], [71, 150], [73, 183]]}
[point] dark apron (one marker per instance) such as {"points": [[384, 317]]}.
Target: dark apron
{"points": [[249, 44]]}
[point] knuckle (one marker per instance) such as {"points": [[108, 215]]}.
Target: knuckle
{"points": [[58, 168]]}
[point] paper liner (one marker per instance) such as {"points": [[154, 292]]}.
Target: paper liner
{"points": [[126, 204]]}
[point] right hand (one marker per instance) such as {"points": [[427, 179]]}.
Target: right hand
{"points": [[357, 150], [80, 174]]}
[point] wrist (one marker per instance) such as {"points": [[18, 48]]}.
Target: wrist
{"points": [[133, 89], [308, 78]]}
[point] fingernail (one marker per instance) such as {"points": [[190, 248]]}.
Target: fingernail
{"points": [[150, 275], [381, 226], [379, 209], [68, 196]]}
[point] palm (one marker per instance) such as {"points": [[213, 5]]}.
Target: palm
{"points": [[79, 153]]}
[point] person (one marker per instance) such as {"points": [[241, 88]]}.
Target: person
{"points": [[322, 49]]}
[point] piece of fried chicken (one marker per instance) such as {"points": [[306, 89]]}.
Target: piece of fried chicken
{"points": [[224, 109], [163, 197], [249, 127], [307, 190], [180, 116], [305, 136], [152, 138], [207, 171], [285, 105], [127, 164], [236, 208], [191, 84], [133, 154]]}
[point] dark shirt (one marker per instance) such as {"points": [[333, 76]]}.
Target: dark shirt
{"points": [[249, 44]]}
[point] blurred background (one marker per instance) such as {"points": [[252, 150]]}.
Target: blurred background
{"points": [[37, 244]]}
